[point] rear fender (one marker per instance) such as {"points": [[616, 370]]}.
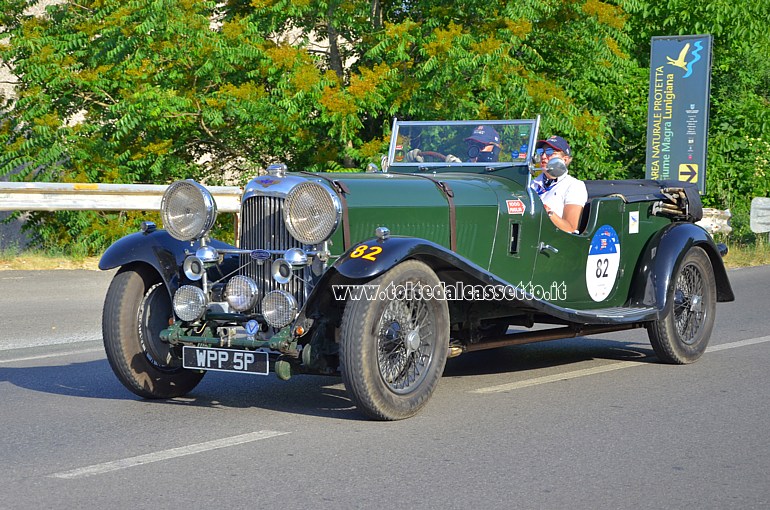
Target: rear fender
{"points": [[661, 259]]}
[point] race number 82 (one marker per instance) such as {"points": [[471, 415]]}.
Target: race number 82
{"points": [[366, 252], [602, 265]]}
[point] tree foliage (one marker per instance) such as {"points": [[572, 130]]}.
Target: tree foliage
{"points": [[739, 131], [149, 91]]}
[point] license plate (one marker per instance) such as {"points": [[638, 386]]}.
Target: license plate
{"points": [[225, 360]]}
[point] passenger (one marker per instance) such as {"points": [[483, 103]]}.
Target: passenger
{"points": [[563, 196], [483, 147]]}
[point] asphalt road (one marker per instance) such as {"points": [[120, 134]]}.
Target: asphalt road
{"points": [[580, 423]]}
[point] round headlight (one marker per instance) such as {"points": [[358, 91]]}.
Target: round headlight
{"points": [[189, 303], [279, 308], [241, 293], [311, 212], [188, 210]]}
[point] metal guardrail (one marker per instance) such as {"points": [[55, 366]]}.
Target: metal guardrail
{"points": [[47, 196]]}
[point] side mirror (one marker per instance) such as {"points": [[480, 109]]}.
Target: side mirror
{"points": [[556, 167]]}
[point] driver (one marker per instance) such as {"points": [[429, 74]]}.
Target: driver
{"points": [[483, 147]]}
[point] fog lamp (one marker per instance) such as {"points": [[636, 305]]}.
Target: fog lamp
{"points": [[189, 303], [279, 308], [241, 293]]}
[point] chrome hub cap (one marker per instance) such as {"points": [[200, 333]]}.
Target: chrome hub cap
{"points": [[412, 341]]}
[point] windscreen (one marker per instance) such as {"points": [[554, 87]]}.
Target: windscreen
{"points": [[480, 143]]}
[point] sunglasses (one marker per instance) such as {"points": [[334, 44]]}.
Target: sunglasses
{"points": [[548, 151]]}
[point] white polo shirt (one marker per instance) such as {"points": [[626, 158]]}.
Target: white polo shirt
{"points": [[566, 190]]}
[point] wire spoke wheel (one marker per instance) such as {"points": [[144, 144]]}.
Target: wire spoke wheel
{"points": [[688, 303], [153, 316], [393, 348], [406, 335], [682, 334]]}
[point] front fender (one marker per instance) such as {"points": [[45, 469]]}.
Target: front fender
{"points": [[661, 259], [369, 259], [157, 249]]}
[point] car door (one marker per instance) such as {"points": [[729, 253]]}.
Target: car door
{"points": [[518, 232], [581, 270]]}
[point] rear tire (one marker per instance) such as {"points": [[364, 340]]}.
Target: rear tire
{"points": [[136, 310], [393, 348], [682, 334]]}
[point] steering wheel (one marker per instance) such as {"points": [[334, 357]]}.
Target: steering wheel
{"points": [[434, 155]]}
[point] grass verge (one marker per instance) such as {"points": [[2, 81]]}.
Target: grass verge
{"points": [[757, 254], [33, 260]]}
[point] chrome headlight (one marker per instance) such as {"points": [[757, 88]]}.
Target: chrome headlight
{"points": [[311, 212], [241, 293], [189, 303], [279, 308], [188, 210]]}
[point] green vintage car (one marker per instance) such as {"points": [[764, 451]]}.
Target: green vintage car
{"points": [[381, 276]]}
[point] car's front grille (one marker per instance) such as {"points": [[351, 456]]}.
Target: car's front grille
{"points": [[262, 227]]}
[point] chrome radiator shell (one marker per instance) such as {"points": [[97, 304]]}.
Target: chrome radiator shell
{"points": [[262, 227]]}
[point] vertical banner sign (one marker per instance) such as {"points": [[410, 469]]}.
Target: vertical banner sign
{"points": [[677, 114]]}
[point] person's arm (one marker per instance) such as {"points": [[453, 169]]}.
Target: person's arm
{"points": [[570, 220], [575, 199]]}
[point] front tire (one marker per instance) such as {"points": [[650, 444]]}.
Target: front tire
{"points": [[136, 310], [393, 348], [682, 334]]}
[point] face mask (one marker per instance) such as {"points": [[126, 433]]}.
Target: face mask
{"points": [[475, 153]]}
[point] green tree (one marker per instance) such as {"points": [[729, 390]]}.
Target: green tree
{"points": [[154, 90], [149, 91], [739, 132]]}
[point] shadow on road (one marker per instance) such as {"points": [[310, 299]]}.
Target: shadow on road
{"points": [[310, 395], [306, 394], [549, 354]]}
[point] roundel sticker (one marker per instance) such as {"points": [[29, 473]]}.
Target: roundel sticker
{"points": [[603, 263]]}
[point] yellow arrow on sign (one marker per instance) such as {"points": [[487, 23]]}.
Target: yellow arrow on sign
{"points": [[688, 172]]}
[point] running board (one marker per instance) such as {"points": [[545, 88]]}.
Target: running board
{"points": [[633, 313], [539, 336], [618, 315]]}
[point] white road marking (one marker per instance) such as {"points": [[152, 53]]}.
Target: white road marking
{"points": [[52, 355], [557, 377], [601, 369], [8, 345], [739, 343], [106, 467]]}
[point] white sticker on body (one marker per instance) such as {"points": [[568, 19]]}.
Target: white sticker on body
{"points": [[603, 263], [633, 222]]}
